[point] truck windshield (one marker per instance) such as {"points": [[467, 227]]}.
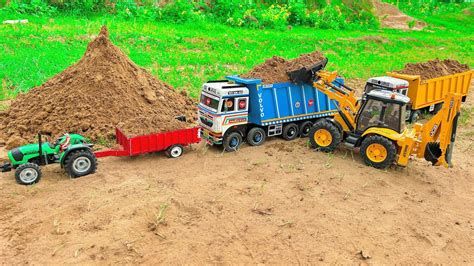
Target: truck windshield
{"points": [[209, 102]]}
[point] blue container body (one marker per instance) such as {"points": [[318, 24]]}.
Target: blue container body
{"points": [[285, 102]]}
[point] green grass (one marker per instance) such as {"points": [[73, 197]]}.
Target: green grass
{"points": [[186, 55]]}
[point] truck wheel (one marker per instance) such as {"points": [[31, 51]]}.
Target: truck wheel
{"points": [[232, 141], [415, 115], [437, 108], [174, 151], [28, 174], [256, 136], [325, 136], [80, 163], [378, 152], [305, 128], [290, 131]]}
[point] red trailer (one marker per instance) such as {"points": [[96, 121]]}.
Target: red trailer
{"points": [[172, 142]]}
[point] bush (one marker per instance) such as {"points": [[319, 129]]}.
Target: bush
{"points": [[33, 7]]}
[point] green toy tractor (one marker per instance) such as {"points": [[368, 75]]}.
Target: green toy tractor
{"points": [[72, 151]]}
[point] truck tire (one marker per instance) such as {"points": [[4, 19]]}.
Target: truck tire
{"points": [[437, 108], [28, 174], [325, 136], [80, 163], [415, 115], [174, 151], [232, 141], [256, 136], [290, 131], [378, 151], [305, 128]]}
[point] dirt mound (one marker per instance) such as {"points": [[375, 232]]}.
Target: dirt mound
{"points": [[275, 69], [434, 68], [391, 17], [103, 90]]}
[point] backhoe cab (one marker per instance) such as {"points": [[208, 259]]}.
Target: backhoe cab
{"points": [[376, 124]]}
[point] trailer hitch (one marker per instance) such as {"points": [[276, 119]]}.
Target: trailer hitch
{"points": [[6, 167]]}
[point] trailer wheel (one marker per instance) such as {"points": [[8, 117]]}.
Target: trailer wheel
{"points": [[174, 151], [28, 174], [378, 152], [232, 141], [80, 163], [256, 136], [290, 131], [305, 128], [325, 136]]}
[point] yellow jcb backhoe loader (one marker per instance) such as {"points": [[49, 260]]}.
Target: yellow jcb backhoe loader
{"points": [[376, 124]]}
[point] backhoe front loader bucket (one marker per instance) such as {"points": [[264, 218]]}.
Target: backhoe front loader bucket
{"points": [[306, 74]]}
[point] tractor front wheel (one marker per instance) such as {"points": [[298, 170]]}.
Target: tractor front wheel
{"points": [[80, 163], [378, 152], [28, 174]]}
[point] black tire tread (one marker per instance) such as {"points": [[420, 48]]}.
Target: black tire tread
{"points": [[252, 132], [27, 165], [71, 157], [388, 144], [285, 130], [333, 129], [225, 143]]}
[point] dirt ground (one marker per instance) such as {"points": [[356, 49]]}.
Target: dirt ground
{"points": [[280, 203]]}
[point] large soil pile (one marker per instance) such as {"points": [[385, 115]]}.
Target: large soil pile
{"points": [[434, 68], [391, 17], [105, 89], [275, 69]]}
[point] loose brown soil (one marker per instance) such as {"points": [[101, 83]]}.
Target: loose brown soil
{"points": [[275, 69], [105, 89], [434, 68], [391, 17]]}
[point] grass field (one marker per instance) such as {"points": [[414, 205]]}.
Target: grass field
{"points": [[186, 55]]}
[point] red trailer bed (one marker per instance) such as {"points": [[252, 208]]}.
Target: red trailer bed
{"points": [[173, 142]]}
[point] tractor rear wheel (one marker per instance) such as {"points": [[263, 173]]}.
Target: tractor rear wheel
{"points": [[378, 152], [80, 163], [28, 174], [325, 136]]}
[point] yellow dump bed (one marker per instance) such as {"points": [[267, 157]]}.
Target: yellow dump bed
{"points": [[424, 93]]}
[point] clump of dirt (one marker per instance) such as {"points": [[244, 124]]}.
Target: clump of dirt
{"points": [[434, 68], [391, 17], [275, 69], [105, 89]]}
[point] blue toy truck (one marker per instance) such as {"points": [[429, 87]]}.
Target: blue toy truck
{"points": [[235, 109]]}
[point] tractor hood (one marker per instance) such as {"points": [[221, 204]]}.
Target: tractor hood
{"points": [[16, 155]]}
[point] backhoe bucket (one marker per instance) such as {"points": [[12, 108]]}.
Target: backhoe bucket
{"points": [[305, 75], [433, 152]]}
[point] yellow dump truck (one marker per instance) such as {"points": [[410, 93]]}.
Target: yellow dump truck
{"points": [[427, 96]]}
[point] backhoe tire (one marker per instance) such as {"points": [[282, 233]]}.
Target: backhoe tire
{"points": [[232, 141], [256, 136], [325, 136], [80, 163], [290, 131], [28, 174], [378, 152]]}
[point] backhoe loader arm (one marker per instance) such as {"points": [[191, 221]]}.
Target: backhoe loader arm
{"points": [[436, 137], [344, 96]]}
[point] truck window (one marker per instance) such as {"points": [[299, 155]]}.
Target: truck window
{"points": [[370, 115], [228, 105], [209, 102]]}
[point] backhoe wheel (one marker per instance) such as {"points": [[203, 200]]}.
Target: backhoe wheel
{"points": [[174, 151], [256, 136], [232, 141], [28, 174], [378, 152], [80, 163], [305, 128], [325, 136], [290, 131]]}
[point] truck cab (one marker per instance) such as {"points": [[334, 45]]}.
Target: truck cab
{"points": [[387, 83], [222, 105]]}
